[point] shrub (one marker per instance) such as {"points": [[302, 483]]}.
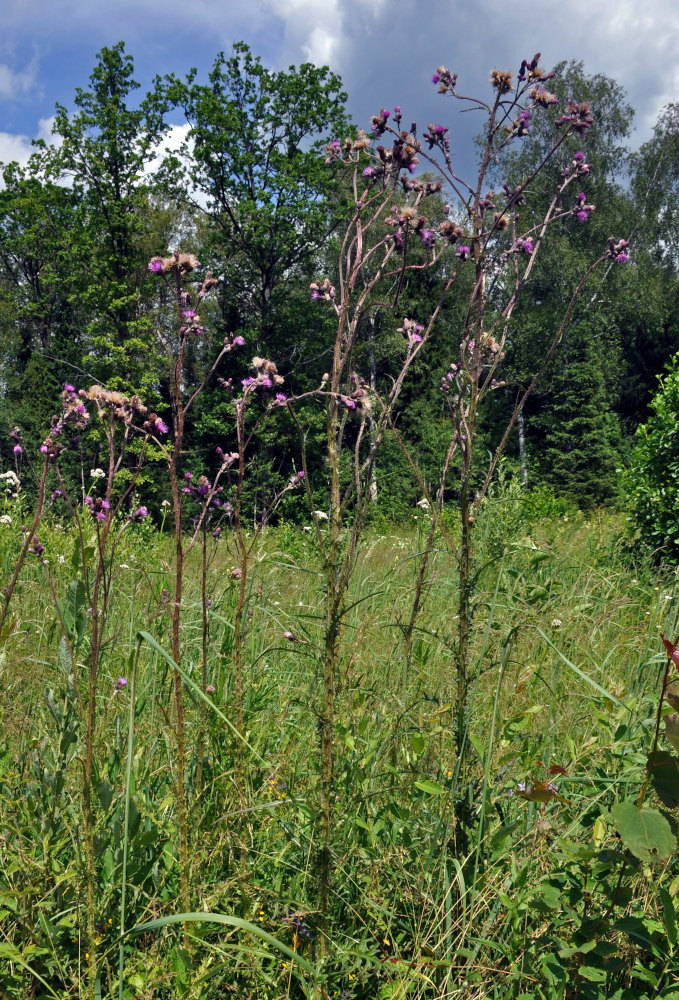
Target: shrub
{"points": [[653, 478]]}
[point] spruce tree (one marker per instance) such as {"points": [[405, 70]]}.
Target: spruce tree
{"points": [[579, 454]]}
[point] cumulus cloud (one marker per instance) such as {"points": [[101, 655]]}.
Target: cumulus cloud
{"points": [[19, 147], [17, 83]]}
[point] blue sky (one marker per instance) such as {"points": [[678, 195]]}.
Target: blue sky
{"points": [[385, 50]]}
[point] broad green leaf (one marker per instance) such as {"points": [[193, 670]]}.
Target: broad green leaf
{"points": [[645, 832], [431, 787]]}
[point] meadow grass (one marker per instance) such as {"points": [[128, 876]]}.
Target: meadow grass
{"points": [[447, 883]]}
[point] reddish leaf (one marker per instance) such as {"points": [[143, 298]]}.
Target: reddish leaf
{"points": [[671, 649], [557, 769]]}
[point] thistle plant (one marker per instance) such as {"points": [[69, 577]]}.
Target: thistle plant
{"points": [[480, 241]]}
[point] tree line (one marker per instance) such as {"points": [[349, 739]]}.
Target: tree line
{"points": [[251, 194]]}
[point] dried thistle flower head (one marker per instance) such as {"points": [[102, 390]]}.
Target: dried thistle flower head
{"points": [[543, 97], [501, 80], [445, 79], [501, 221]]}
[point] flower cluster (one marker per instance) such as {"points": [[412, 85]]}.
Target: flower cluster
{"points": [[578, 115], [322, 290], [266, 377], [501, 80], [531, 71], [445, 79], [154, 425], [9, 484], [36, 548], [617, 251], [99, 508], [74, 417], [436, 136], [412, 331], [521, 125], [581, 209], [543, 98], [201, 490], [114, 404], [379, 122], [183, 263]]}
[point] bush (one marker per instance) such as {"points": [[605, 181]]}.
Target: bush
{"points": [[653, 478]]}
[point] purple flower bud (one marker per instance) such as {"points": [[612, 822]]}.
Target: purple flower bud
{"points": [[435, 78], [121, 683], [397, 109], [580, 197]]}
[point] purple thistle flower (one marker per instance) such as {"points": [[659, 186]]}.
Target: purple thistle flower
{"points": [[43, 449], [161, 426], [121, 683], [281, 397], [435, 78], [582, 215], [69, 388], [397, 109], [580, 197], [155, 265], [367, 171], [17, 449], [622, 257], [239, 341], [579, 157]]}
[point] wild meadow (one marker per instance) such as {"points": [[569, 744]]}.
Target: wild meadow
{"points": [[265, 734], [445, 883]]}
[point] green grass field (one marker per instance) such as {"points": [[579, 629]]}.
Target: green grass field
{"points": [[450, 878]]}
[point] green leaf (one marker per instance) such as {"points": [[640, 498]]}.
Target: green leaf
{"points": [[418, 742], [664, 772], [645, 832], [592, 974], [430, 787], [226, 920], [669, 917]]}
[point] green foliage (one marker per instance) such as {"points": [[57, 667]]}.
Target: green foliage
{"points": [[579, 452], [652, 481], [254, 147]]}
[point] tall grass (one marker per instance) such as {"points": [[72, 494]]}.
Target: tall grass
{"points": [[566, 670]]}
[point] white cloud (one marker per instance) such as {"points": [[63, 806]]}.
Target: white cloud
{"points": [[313, 28], [19, 147], [14, 84]]}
